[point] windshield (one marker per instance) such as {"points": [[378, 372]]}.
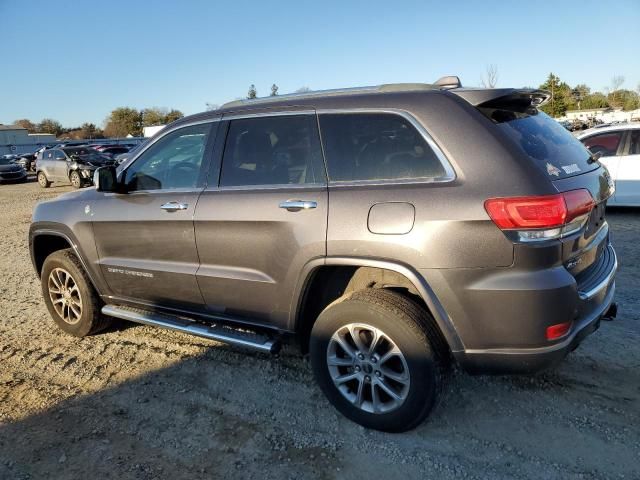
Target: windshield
{"points": [[71, 152], [544, 140]]}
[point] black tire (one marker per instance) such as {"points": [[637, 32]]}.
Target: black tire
{"points": [[413, 331], [43, 181], [90, 320], [75, 179]]}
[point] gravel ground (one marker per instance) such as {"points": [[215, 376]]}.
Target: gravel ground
{"points": [[138, 402]]}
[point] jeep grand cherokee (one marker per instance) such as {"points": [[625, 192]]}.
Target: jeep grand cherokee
{"points": [[390, 230]]}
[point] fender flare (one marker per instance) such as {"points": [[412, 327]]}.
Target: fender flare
{"points": [[426, 292], [36, 231]]}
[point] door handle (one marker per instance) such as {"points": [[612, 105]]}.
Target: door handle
{"points": [[174, 206], [297, 205]]}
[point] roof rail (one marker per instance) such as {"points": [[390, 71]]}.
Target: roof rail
{"points": [[442, 83]]}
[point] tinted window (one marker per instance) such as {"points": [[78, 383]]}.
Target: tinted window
{"points": [[272, 151], [58, 155], [380, 146], [606, 142], [635, 142], [544, 140], [75, 151], [174, 161], [47, 154]]}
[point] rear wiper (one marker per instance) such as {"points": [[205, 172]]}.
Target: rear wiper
{"points": [[594, 157]]}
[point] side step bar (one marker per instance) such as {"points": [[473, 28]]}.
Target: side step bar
{"points": [[181, 324]]}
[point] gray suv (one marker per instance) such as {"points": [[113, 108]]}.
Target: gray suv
{"points": [[388, 231]]}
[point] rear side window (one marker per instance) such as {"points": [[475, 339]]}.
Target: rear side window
{"points": [[606, 142], [544, 140], [278, 150], [376, 146]]}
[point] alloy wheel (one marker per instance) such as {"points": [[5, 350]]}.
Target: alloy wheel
{"points": [[368, 368], [65, 295]]}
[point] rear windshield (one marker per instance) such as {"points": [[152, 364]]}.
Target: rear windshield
{"points": [[544, 140]]}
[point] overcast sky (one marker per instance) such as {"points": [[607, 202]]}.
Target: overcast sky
{"points": [[75, 61]]}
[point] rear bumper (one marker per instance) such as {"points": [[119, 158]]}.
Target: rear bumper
{"points": [[529, 360], [505, 315]]}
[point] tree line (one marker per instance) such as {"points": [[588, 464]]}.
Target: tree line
{"points": [[126, 120], [121, 122], [580, 97]]}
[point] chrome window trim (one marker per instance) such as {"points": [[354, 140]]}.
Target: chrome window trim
{"points": [[280, 113], [280, 186], [131, 160], [449, 176]]}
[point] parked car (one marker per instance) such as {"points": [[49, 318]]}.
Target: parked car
{"points": [[27, 161], [114, 150], [388, 230], [619, 149], [122, 157], [11, 171], [69, 164]]}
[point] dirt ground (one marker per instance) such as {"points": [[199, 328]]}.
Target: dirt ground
{"points": [[143, 403]]}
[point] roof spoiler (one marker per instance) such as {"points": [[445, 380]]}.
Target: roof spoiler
{"points": [[496, 97]]}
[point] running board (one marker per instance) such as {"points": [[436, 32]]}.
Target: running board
{"points": [[218, 333]]}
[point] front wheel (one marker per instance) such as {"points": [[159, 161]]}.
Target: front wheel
{"points": [[69, 295], [75, 179], [374, 356], [43, 181]]}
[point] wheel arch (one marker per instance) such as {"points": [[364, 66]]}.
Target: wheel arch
{"points": [[44, 241], [318, 272]]}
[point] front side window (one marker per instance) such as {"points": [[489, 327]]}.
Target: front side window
{"points": [[278, 150], [606, 142], [175, 161], [376, 146], [59, 155]]}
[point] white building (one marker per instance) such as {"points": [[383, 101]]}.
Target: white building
{"points": [[151, 131], [15, 139], [607, 115]]}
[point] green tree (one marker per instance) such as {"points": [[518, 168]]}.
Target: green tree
{"points": [[172, 116], [153, 116], [252, 93], [28, 124], [89, 130], [48, 125], [560, 99], [123, 121], [626, 99], [274, 90], [594, 100]]}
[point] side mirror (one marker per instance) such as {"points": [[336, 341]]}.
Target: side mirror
{"points": [[105, 179]]}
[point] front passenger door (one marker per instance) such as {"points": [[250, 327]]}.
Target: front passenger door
{"points": [[144, 236]]}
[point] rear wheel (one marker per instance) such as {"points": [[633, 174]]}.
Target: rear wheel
{"points": [[75, 179], [373, 356], [43, 181], [69, 296]]}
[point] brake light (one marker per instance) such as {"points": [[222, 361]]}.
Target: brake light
{"points": [[557, 331], [541, 217]]}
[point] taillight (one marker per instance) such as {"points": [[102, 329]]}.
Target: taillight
{"points": [[541, 217]]}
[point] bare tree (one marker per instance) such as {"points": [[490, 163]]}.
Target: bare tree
{"points": [[490, 78], [211, 106], [252, 93], [303, 90], [616, 83]]}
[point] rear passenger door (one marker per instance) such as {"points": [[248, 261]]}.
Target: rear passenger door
{"points": [[628, 177], [264, 218], [60, 165], [610, 145]]}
